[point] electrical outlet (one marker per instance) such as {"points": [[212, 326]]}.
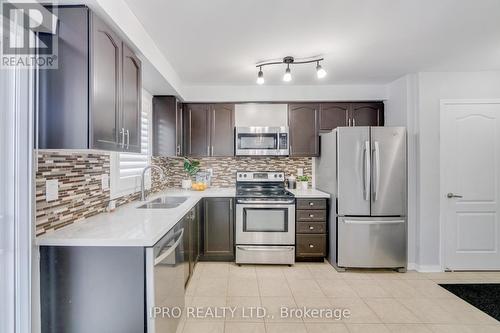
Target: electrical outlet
{"points": [[104, 181], [51, 189]]}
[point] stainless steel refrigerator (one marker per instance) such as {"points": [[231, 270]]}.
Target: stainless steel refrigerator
{"points": [[364, 170]]}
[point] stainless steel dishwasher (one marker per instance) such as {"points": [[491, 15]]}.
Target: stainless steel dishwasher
{"points": [[165, 282]]}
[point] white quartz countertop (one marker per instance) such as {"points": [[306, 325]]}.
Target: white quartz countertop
{"points": [[309, 193], [129, 226]]}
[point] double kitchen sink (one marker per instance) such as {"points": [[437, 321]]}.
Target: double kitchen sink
{"points": [[166, 202]]}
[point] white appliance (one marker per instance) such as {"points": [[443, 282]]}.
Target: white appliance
{"points": [[364, 169]]}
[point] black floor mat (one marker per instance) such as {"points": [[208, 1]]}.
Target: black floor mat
{"points": [[484, 296]]}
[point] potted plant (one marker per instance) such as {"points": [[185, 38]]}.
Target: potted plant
{"points": [[191, 167], [303, 182]]}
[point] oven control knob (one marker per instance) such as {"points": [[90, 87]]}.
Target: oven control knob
{"points": [[275, 176], [245, 175], [281, 176]]}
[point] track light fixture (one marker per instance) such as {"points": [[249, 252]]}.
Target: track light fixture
{"points": [[260, 77], [320, 71]]}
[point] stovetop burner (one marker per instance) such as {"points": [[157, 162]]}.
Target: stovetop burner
{"points": [[261, 185]]}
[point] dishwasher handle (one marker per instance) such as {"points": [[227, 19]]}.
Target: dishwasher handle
{"points": [[170, 250]]}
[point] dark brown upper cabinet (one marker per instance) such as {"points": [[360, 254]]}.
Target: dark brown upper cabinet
{"points": [[366, 114], [93, 99], [167, 126], [197, 129], [304, 129], [131, 99], [222, 130], [333, 115], [209, 129]]}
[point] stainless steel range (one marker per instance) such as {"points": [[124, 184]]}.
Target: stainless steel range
{"points": [[265, 219]]}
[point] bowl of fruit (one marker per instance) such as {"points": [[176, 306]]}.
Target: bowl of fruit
{"points": [[199, 186]]}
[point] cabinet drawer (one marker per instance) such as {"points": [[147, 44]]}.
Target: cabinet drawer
{"points": [[311, 215], [311, 203], [311, 227], [311, 245]]}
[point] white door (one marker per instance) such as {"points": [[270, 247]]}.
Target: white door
{"points": [[470, 184]]}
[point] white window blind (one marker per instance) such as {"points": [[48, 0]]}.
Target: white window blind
{"points": [[126, 168]]}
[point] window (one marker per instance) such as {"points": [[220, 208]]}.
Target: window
{"points": [[126, 168]]}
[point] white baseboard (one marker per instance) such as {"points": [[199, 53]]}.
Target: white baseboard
{"points": [[424, 268]]}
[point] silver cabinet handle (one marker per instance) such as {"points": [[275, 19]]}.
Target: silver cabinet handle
{"points": [[353, 122], [122, 132], [311, 228], [311, 246], [208, 150], [346, 116], [128, 138], [212, 151], [311, 204], [452, 195], [367, 168], [349, 122], [311, 215], [377, 170]]}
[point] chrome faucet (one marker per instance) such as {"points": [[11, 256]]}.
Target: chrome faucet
{"points": [[162, 175]]}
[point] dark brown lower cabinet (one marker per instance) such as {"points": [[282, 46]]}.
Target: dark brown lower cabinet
{"points": [[311, 230], [218, 229]]}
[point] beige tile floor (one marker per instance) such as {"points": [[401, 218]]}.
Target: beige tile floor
{"points": [[378, 301]]}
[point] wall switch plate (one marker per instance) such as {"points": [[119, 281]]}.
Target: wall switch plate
{"points": [[51, 189], [104, 181], [300, 172], [210, 172]]}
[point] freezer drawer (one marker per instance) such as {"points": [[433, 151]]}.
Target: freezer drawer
{"points": [[372, 242]]}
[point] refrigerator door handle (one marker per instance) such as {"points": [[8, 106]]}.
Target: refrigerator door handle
{"points": [[373, 221], [377, 170], [367, 169]]}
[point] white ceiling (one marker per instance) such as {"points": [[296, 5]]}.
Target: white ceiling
{"points": [[218, 42]]}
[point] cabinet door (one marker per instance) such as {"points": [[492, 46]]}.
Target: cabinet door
{"points": [[179, 130], [105, 81], [333, 115], [222, 130], [218, 229], [367, 114], [303, 126], [164, 126], [63, 99], [131, 100], [197, 130]]}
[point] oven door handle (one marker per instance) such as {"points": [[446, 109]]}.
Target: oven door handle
{"points": [[274, 249], [266, 205]]}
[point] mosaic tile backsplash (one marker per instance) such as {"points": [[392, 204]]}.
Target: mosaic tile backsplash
{"points": [[80, 190], [224, 168]]}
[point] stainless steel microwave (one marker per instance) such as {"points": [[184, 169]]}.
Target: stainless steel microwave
{"points": [[262, 141]]}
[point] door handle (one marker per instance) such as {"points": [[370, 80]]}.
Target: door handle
{"points": [[452, 195], [122, 132], [377, 171], [168, 252], [349, 122], [367, 168], [353, 122], [128, 138]]}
